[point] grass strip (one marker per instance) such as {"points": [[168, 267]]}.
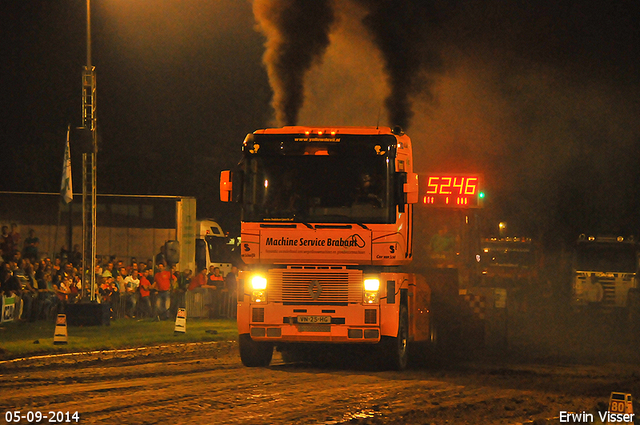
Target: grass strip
{"points": [[22, 339]]}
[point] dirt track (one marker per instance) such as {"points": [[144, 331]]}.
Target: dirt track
{"points": [[206, 383]]}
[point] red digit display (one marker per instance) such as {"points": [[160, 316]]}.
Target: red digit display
{"points": [[451, 190], [459, 185], [432, 186], [445, 186], [471, 188]]}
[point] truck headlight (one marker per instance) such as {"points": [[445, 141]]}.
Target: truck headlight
{"points": [[371, 287], [259, 289], [258, 282], [372, 284]]}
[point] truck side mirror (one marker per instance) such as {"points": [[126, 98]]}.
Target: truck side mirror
{"points": [[226, 185], [411, 188], [400, 195]]}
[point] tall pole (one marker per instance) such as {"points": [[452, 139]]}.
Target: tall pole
{"points": [[89, 170], [88, 33]]}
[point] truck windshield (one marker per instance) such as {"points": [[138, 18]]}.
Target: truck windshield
{"points": [[319, 188], [606, 258], [219, 249]]}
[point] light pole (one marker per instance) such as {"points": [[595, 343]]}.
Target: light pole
{"points": [[89, 170], [502, 228]]}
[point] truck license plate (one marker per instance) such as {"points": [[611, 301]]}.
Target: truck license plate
{"points": [[314, 319]]}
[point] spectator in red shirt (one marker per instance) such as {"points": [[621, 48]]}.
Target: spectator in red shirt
{"points": [[215, 281], [214, 277], [162, 284], [62, 289], [198, 280], [145, 293]]}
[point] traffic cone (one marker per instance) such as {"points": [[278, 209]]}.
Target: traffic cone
{"points": [[60, 333], [181, 321]]}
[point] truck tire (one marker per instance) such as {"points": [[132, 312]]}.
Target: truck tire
{"points": [[254, 354], [397, 350], [425, 353]]}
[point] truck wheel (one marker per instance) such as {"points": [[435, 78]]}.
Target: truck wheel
{"points": [[398, 353], [254, 354]]}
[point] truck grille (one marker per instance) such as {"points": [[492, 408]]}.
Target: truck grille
{"points": [[310, 285], [609, 293], [614, 286]]}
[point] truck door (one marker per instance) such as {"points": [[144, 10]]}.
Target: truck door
{"points": [[201, 255]]}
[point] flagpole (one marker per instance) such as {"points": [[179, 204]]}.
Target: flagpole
{"points": [[70, 232], [55, 236], [66, 186], [66, 190], [70, 221]]}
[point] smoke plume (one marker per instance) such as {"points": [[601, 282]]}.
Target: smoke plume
{"points": [[297, 33], [541, 98], [403, 33]]}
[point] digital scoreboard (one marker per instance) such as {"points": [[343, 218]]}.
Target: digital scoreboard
{"points": [[451, 190]]}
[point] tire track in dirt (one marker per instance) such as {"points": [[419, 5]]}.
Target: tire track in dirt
{"points": [[209, 385]]}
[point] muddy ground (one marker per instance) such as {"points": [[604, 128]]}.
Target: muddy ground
{"points": [[206, 383]]}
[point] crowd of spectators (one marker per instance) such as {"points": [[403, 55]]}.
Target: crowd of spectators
{"points": [[142, 290], [42, 287]]}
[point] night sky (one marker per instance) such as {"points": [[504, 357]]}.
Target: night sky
{"points": [[542, 98]]}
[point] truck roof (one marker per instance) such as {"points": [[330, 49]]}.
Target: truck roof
{"points": [[326, 130]]}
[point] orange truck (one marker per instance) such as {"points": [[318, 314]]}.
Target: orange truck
{"points": [[326, 232]]}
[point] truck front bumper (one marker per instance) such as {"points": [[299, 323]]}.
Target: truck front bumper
{"points": [[337, 324]]}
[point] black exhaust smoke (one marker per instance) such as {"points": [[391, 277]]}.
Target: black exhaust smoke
{"points": [[297, 34], [402, 30]]}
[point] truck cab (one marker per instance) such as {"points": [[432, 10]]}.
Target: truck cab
{"points": [[605, 273], [326, 228], [213, 247]]}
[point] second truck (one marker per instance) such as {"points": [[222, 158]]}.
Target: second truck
{"points": [[605, 275]]}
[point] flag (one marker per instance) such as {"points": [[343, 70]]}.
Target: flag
{"points": [[66, 188]]}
